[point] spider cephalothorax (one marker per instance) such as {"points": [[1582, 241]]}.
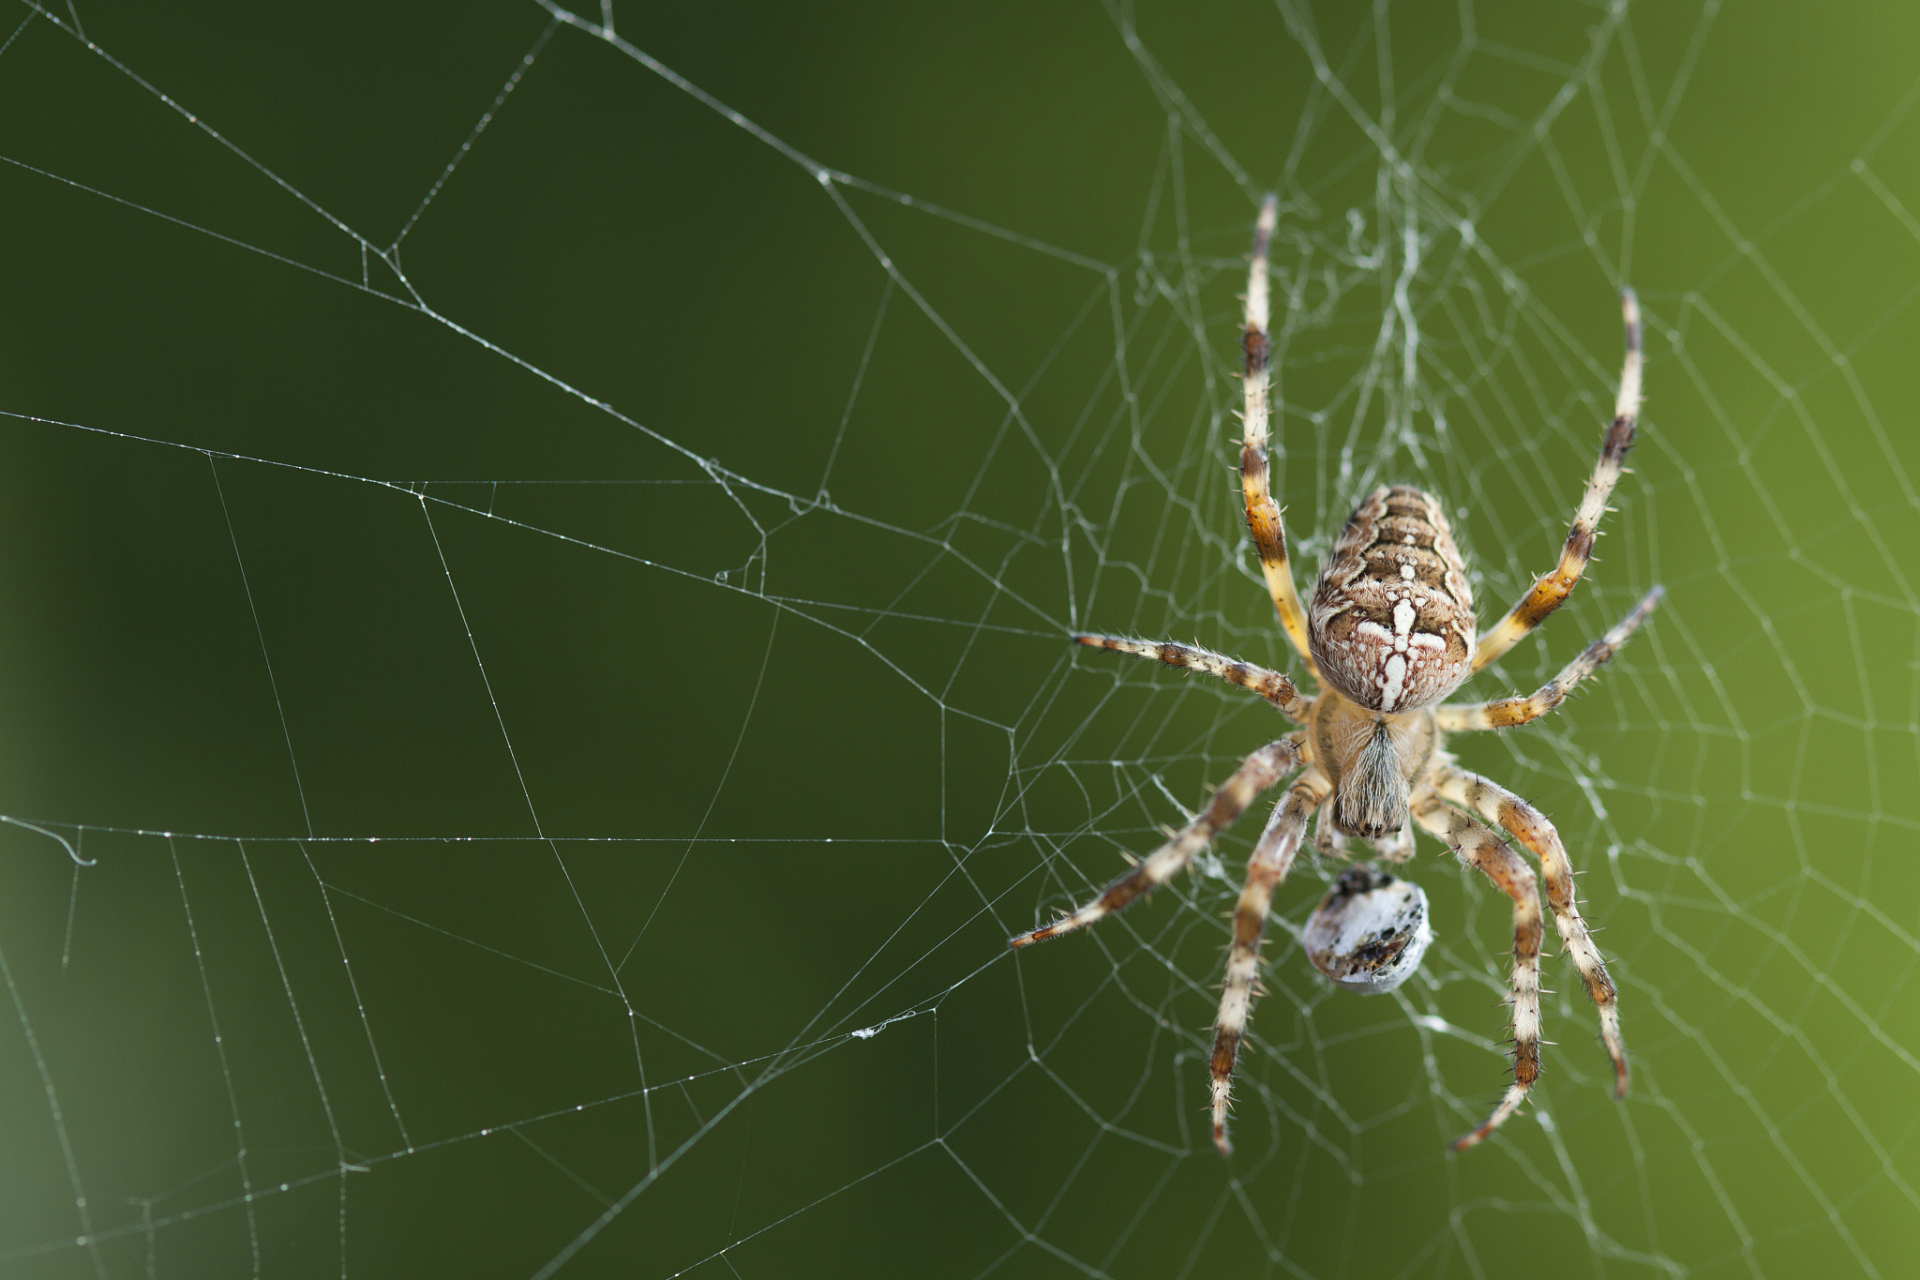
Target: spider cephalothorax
{"points": [[1389, 634], [1372, 759]]}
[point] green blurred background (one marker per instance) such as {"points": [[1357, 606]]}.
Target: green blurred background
{"points": [[562, 688]]}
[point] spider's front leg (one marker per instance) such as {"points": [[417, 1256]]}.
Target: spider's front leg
{"points": [[1272, 858], [1477, 846], [1530, 827], [1257, 773]]}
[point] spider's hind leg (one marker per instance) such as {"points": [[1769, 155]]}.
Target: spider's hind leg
{"points": [[1263, 513], [1554, 586]]}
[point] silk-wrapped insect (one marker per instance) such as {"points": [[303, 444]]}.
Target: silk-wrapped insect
{"points": [[1370, 932]]}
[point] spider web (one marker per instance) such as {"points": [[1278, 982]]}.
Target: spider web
{"points": [[538, 560]]}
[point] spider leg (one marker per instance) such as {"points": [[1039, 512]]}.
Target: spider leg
{"points": [[1263, 515], [1553, 587], [1271, 685], [1504, 713], [1473, 843], [1272, 858], [1530, 827], [1257, 773]]}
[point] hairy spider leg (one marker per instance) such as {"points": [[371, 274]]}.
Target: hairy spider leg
{"points": [[1259, 772], [1553, 587], [1504, 713], [1271, 685], [1263, 515], [1473, 843], [1530, 827], [1272, 858]]}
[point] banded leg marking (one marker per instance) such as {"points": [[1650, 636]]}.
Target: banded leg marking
{"points": [[1530, 827], [1259, 772], [1272, 858], [1263, 515], [1505, 713], [1552, 589], [1271, 685], [1473, 843]]}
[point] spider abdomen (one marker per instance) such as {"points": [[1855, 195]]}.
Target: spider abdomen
{"points": [[1391, 621]]}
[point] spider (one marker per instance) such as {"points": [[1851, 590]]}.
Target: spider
{"points": [[1388, 634]]}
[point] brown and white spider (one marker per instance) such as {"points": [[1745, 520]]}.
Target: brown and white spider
{"points": [[1389, 633]]}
